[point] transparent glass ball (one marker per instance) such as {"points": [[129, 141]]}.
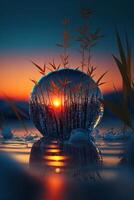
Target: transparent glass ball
{"points": [[65, 100]]}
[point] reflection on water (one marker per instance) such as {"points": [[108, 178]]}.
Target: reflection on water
{"points": [[54, 187], [54, 183], [111, 152], [19, 150], [53, 157]]}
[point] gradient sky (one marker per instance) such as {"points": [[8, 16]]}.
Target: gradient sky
{"points": [[31, 29]]}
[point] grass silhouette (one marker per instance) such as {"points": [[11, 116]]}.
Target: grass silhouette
{"points": [[124, 65]]}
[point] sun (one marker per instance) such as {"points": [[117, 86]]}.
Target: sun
{"points": [[56, 103], [57, 170]]}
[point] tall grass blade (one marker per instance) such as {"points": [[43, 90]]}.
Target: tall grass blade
{"points": [[37, 66], [121, 50], [101, 77], [129, 56], [123, 73]]}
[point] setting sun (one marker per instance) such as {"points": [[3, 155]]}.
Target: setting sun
{"points": [[56, 103]]}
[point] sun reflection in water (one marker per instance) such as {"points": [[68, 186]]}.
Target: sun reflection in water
{"points": [[55, 187], [54, 158], [56, 164], [57, 170], [53, 150]]}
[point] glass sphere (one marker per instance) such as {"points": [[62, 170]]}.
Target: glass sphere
{"points": [[65, 100]]}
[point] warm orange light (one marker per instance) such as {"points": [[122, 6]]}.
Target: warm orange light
{"points": [[54, 186], [57, 170], [53, 150], [51, 146], [56, 158], [53, 157], [15, 81], [56, 103], [56, 164]]}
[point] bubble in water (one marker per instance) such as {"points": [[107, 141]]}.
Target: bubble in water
{"points": [[65, 100]]}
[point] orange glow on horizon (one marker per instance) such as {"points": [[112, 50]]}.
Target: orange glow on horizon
{"points": [[16, 72]]}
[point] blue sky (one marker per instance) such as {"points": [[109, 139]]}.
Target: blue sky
{"points": [[28, 26]]}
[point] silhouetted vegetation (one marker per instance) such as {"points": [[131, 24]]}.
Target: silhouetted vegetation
{"points": [[87, 40], [124, 64]]}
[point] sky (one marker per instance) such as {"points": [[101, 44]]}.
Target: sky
{"points": [[30, 30]]}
